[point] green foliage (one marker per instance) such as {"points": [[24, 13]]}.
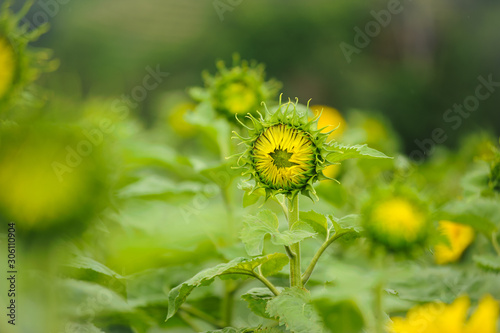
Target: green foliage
{"points": [[343, 152], [488, 262], [293, 310], [236, 268], [266, 222]]}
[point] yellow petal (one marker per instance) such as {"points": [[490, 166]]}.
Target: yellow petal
{"points": [[484, 319]]}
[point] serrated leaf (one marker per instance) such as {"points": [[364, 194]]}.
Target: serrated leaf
{"points": [[317, 221], [235, 268], [348, 222], [293, 309], [488, 262], [257, 299], [266, 222], [343, 152]]}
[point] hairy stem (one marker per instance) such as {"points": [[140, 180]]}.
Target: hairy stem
{"points": [[268, 283], [314, 261], [293, 217]]}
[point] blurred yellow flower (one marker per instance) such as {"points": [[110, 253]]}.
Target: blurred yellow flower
{"points": [[399, 218], [460, 236], [443, 318], [330, 118], [178, 122], [8, 66]]}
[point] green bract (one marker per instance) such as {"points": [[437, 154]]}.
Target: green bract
{"points": [[236, 90], [19, 64]]}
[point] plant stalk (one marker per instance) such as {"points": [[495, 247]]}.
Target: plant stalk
{"points": [[268, 283], [293, 217], [314, 261]]}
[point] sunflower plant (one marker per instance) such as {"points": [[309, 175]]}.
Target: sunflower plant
{"points": [[285, 155]]}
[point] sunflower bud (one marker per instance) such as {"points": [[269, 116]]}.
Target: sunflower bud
{"points": [[236, 90], [286, 153], [19, 64], [398, 220]]}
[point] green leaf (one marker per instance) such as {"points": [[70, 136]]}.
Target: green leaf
{"points": [[348, 222], [77, 327], [266, 222], [83, 262], [482, 214], [344, 316], [317, 221], [155, 185], [232, 330], [488, 262], [257, 299], [233, 269], [222, 175], [343, 152], [293, 309]]}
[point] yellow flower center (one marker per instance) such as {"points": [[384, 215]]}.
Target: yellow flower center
{"points": [[284, 157], [398, 217], [7, 65], [239, 98]]}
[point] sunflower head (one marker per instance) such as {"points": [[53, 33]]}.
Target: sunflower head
{"points": [[236, 90], [397, 219], [19, 64], [285, 152]]}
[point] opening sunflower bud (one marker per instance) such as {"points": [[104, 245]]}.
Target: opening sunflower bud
{"points": [[286, 153]]}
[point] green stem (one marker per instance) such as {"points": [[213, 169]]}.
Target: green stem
{"points": [[494, 241], [228, 302], [202, 315], [293, 217], [268, 283], [314, 261], [379, 308]]}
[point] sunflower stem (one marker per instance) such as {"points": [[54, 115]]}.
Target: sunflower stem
{"points": [[324, 246], [293, 217]]}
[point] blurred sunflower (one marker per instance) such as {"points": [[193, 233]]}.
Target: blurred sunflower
{"points": [[285, 151], [236, 90], [330, 118], [397, 220], [443, 318], [49, 176], [459, 236], [20, 65], [177, 121]]}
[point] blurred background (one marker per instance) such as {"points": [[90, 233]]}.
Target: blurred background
{"points": [[119, 199], [427, 58]]}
